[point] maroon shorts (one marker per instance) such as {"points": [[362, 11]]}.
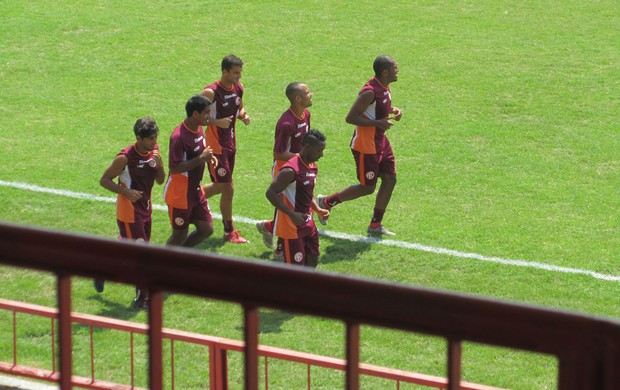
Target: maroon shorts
{"points": [[371, 166], [139, 231], [225, 167], [181, 218], [296, 249]]}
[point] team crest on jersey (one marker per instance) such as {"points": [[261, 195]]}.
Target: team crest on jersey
{"points": [[298, 257], [152, 163], [179, 221], [370, 175], [221, 172], [238, 101]]}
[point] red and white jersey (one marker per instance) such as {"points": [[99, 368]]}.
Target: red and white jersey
{"points": [[290, 131], [139, 174], [227, 103], [370, 140], [183, 189], [298, 196]]}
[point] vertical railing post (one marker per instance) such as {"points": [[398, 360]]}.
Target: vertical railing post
{"points": [[155, 340], [64, 330], [353, 356], [251, 347], [454, 364]]}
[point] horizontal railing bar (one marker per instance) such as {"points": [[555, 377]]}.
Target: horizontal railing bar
{"points": [[342, 297], [234, 345]]}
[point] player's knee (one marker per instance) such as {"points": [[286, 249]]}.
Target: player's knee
{"points": [[368, 189], [204, 230], [388, 180]]}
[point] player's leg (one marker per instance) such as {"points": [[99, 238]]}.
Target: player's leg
{"points": [[367, 166], [224, 177], [311, 249], [179, 221], [202, 219], [387, 172], [292, 250]]}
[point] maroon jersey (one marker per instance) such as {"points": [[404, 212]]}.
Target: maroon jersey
{"points": [[370, 140], [227, 103], [290, 131], [139, 174], [183, 189], [298, 196]]}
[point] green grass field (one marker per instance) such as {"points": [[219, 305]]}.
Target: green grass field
{"points": [[508, 148]]}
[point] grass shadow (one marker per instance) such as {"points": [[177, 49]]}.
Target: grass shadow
{"points": [[271, 320], [344, 249]]}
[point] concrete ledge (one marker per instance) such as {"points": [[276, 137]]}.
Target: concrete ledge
{"points": [[15, 383]]}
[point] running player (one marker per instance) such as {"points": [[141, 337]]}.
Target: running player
{"points": [[292, 193], [227, 93], [290, 130], [372, 114], [137, 167], [188, 153]]}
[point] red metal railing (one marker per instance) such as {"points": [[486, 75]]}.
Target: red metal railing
{"points": [[588, 348], [218, 354]]}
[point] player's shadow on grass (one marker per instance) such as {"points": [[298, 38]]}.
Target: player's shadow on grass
{"points": [[342, 249], [116, 310], [271, 320]]}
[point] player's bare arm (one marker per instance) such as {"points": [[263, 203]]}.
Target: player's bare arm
{"points": [[113, 171], [243, 115], [219, 122], [360, 105], [160, 175], [279, 183], [185, 166]]}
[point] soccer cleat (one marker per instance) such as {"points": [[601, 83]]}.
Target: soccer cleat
{"points": [[234, 237], [267, 235], [379, 231], [99, 284], [320, 201], [140, 304]]}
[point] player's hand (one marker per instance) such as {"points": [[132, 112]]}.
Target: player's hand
{"points": [[206, 154], [384, 123], [224, 122], [246, 119], [132, 195], [323, 213], [157, 157], [397, 114], [299, 218]]}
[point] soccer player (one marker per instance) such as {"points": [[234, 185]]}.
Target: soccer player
{"points": [[188, 153], [227, 93], [372, 114], [137, 167], [292, 193], [290, 130]]}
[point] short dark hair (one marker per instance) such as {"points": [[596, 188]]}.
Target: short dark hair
{"points": [[383, 62], [293, 89], [312, 137], [197, 103], [231, 60], [145, 127]]}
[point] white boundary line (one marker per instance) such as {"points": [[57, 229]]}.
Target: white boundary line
{"points": [[344, 236]]}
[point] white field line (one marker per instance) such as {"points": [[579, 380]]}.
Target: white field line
{"points": [[344, 236]]}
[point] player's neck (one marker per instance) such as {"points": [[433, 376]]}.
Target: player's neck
{"points": [[298, 111], [141, 149], [227, 85], [383, 82], [191, 124]]}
